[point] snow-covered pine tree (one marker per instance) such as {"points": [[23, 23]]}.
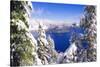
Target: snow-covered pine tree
{"points": [[89, 22], [52, 52], [70, 54], [42, 43], [46, 48], [21, 44]]}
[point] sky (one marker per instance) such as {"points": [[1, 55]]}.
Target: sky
{"points": [[66, 13]]}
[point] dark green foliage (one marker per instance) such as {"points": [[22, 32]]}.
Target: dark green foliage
{"points": [[20, 43]]}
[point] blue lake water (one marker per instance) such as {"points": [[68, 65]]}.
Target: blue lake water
{"points": [[62, 39]]}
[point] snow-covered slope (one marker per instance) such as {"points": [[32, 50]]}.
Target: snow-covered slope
{"points": [[70, 53]]}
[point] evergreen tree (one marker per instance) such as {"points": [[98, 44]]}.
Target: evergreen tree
{"points": [[42, 43], [21, 44], [52, 52], [88, 23], [46, 49]]}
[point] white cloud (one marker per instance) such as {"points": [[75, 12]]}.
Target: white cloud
{"points": [[38, 11]]}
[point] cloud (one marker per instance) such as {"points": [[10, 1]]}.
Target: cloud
{"points": [[37, 11], [40, 12]]}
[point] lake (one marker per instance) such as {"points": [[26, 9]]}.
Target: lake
{"points": [[62, 39]]}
